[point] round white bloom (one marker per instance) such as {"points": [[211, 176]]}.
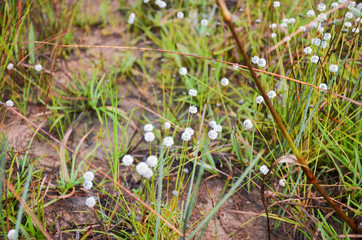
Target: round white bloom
{"points": [[310, 13], [9, 103], [282, 182], [186, 171], [186, 136], [349, 15], [204, 22], [248, 124], [162, 4], [355, 30], [303, 29], [235, 67], [127, 160], [314, 59], [320, 29], [255, 59], [146, 1], [167, 125], [212, 134], [323, 86], [130, 20], [321, 7], [180, 15], [327, 36], [348, 24], [212, 124], [259, 99], [334, 4], [91, 202], [291, 20], [38, 67], [359, 6], [273, 26], [10, 66], [241, 101], [283, 25], [88, 176], [322, 17], [273, 35], [149, 136], [224, 81], [351, 4], [314, 25], [261, 62], [264, 169], [287, 38], [307, 50], [175, 193], [148, 127], [218, 128], [276, 4], [286, 21], [148, 173], [87, 185], [11, 234], [271, 94], [316, 41], [152, 161], [190, 131], [193, 92], [142, 168], [193, 109], [324, 44], [182, 71], [342, 1], [168, 141]]}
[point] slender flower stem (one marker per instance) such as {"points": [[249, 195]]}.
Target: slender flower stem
{"points": [[307, 171]]}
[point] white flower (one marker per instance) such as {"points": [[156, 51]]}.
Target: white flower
{"points": [[351, 4], [127, 160], [193, 92], [204, 22], [291, 20], [38, 67], [341, 1], [186, 171], [314, 25], [314, 59], [355, 30], [359, 6], [327, 36], [224, 81], [87, 185], [348, 24], [273, 35], [261, 62], [255, 59], [190, 131], [349, 15], [334, 4], [333, 68], [186, 136], [149, 136], [276, 4], [235, 67], [323, 86], [91, 202], [282, 182], [271, 94], [320, 29], [152, 161], [148, 127], [180, 15], [322, 17], [10, 66], [9, 103], [307, 50], [283, 25], [175, 193], [248, 124], [212, 124], [241, 101], [286, 21], [162, 4], [131, 18], [302, 28], [264, 169], [324, 44], [316, 41], [287, 39], [212, 134], [182, 71], [310, 13], [273, 26], [218, 128], [11, 234], [193, 109], [321, 7], [167, 125], [168, 141], [146, 1], [88, 176], [148, 173], [142, 168], [259, 99]]}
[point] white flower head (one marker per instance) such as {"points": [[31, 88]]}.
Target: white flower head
{"points": [[168, 141], [218, 128], [127, 160], [175, 193], [11, 234], [142, 168], [259, 99], [148, 127], [193, 92], [264, 169], [88, 176], [273, 35], [273, 26], [291, 20], [322, 17], [310, 13], [307, 50], [38, 67], [212, 124], [348, 24], [287, 39], [149, 136], [303, 29], [87, 185], [186, 136], [204, 22], [282, 182], [10, 66], [91, 202], [321, 7], [276, 4], [284, 25], [327, 36], [190, 131], [9, 103], [224, 81], [146, 1], [355, 30], [320, 29], [324, 44], [349, 15], [148, 173], [193, 109], [255, 59], [241, 101], [131, 18], [261, 62], [314, 25], [323, 86], [314, 59], [271, 94], [182, 71], [248, 124], [212, 134], [235, 67], [180, 15], [167, 125], [334, 4], [316, 41], [152, 161], [162, 4]]}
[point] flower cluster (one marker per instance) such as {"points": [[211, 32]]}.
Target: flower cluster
{"points": [[131, 18], [260, 61], [88, 178], [149, 135], [264, 169]]}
